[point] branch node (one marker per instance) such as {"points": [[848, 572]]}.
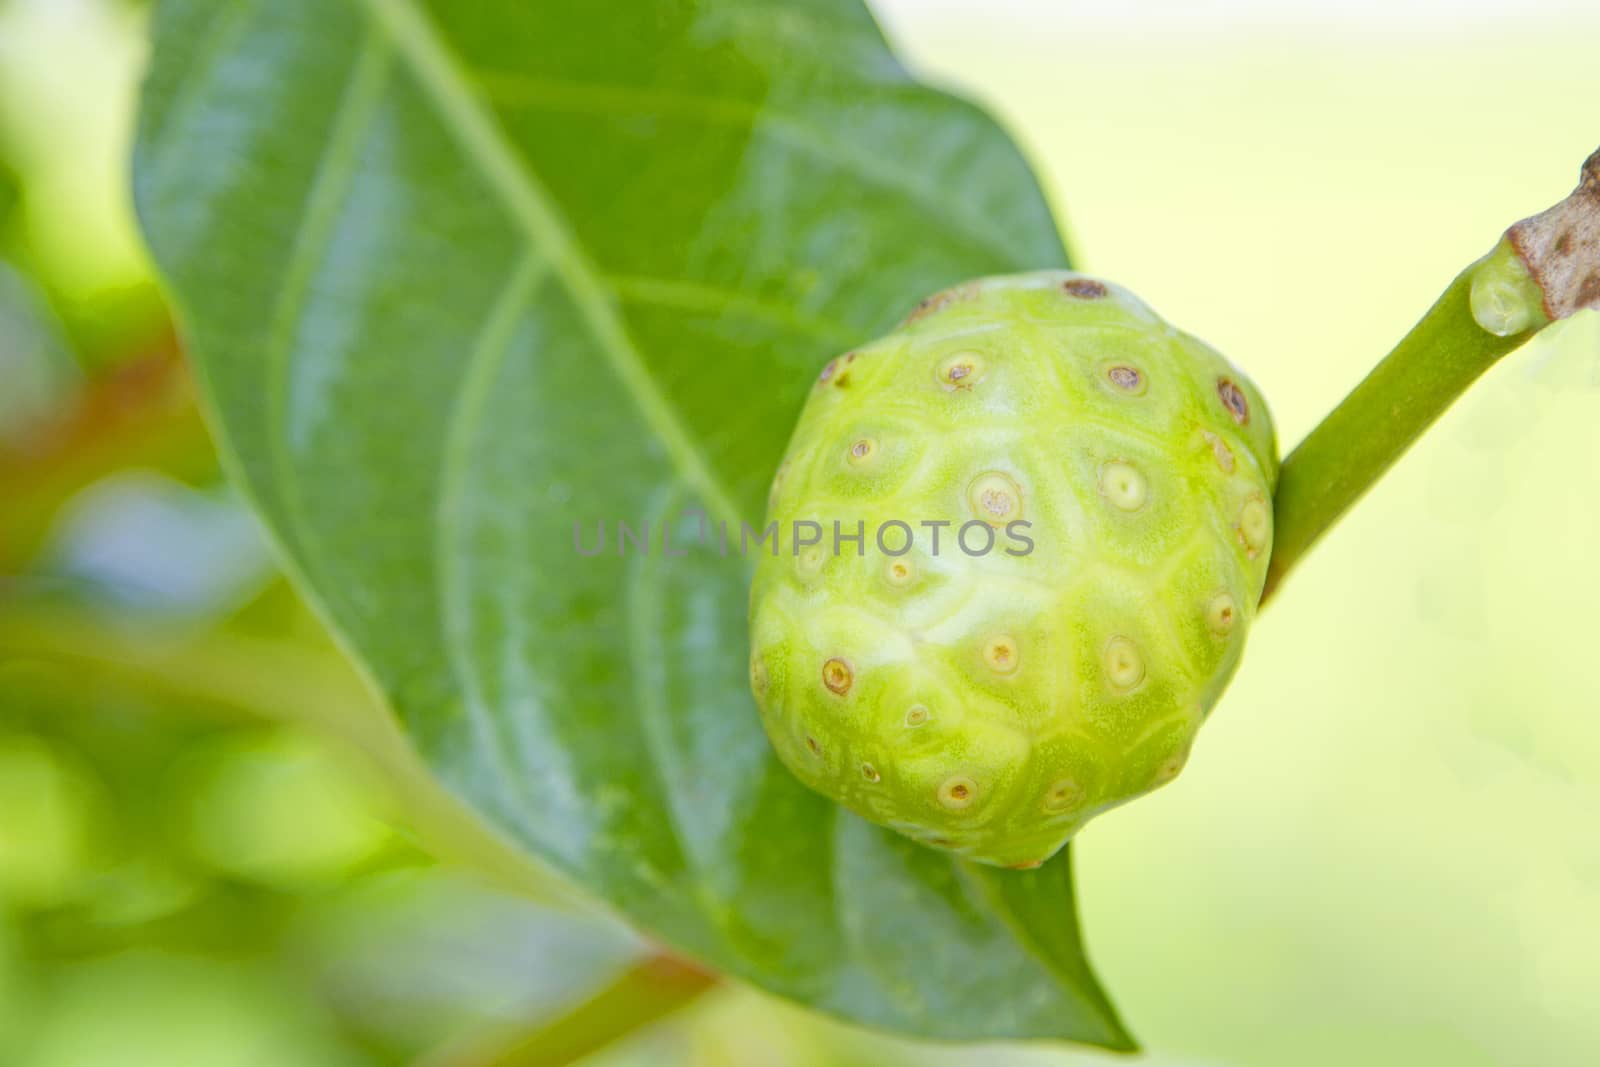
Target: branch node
{"points": [[1561, 247]]}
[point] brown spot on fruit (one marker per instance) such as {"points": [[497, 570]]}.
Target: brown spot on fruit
{"points": [[1222, 614], [1234, 400], [960, 371], [836, 676], [1255, 526], [1126, 378], [995, 498], [1219, 449], [928, 305], [916, 715], [1084, 288], [941, 300], [758, 676], [1062, 795], [1001, 653], [1027, 865], [899, 572], [827, 372], [870, 773], [958, 792], [862, 450], [1170, 768], [814, 745]]}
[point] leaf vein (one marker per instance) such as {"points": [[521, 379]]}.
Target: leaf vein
{"points": [[329, 187], [523, 91], [703, 296], [439, 74], [451, 555]]}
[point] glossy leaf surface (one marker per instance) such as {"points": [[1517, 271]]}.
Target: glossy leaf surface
{"points": [[461, 277]]}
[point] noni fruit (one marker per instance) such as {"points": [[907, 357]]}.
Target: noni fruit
{"points": [[1019, 542]]}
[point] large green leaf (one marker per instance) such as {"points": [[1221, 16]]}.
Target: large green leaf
{"points": [[457, 275]]}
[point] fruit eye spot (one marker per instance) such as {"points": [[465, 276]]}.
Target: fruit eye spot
{"points": [[870, 773], [1001, 654], [1170, 767], [1128, 379], [836, 676], [1255, 525], [1234, 400], [863, 450], [1063, 795], [961, 371], [958, 793], [1084, 288], [1221, 613], [928, 305], [943, 299], [809, 562], [1124, 667], [1123, 485], [1220, 449], [995, 498], [916, 715]]}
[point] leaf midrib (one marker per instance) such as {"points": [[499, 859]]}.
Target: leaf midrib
{"points": [[516, 89], [439, 76]]}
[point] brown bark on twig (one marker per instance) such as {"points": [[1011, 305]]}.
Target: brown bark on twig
{"points": [[1561, 247]]}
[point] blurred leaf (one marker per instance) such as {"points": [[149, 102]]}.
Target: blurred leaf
{"points": [[166, 829], [459, 275], [282, 811], [43, 829], [138, 414], [493, 962], [227, 675], [10, 193], [154, 1009], [144, 542], [36, 366]]}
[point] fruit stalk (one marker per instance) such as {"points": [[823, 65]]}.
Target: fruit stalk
{"points": [[644, 994], [1546, 268]]}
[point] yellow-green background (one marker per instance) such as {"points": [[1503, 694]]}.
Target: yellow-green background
{"points": [[1386, 849]]}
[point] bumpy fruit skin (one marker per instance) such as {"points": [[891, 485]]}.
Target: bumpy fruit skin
{"points": [[990, 704]]}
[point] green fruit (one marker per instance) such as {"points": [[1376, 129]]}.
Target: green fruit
{"points": [[991, 702]]}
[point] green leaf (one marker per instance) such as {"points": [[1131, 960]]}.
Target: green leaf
{"points": [[459, 276]]}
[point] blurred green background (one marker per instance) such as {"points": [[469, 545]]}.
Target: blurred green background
{"points": [[1384, 852]]}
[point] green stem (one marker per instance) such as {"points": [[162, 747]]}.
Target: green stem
{"points": [[1433, 365], [1546, 268], [642, 995]]}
